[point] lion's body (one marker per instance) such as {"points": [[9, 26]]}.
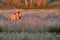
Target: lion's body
{"points": [[16, 16]]}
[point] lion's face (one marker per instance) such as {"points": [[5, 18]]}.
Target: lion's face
{"points": [[20, 14]]}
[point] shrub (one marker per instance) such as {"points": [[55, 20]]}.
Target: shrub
{"points": [[12, 2], [54, 29], [1, 30]]}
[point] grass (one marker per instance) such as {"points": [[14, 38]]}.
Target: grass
{"points": [[28, 36], [27, 33], [51, 29], [2, 7], [32, 27]]}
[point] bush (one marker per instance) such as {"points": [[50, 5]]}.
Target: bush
{"points": [[1, 30], [54, 29], [11, 2]]}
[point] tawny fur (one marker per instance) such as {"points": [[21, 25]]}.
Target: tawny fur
{"points": [[16, 16]]}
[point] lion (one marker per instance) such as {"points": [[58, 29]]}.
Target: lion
{"points": [[17, 16]]}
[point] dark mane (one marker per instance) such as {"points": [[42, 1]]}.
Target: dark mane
{"points": [[18, 14], [18, 11]]}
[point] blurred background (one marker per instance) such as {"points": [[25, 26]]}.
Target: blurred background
{"points": [[35, 4]]}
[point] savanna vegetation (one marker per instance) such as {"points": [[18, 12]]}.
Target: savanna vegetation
{"points": [[19, 4], [50, 29], [32, 34]]}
